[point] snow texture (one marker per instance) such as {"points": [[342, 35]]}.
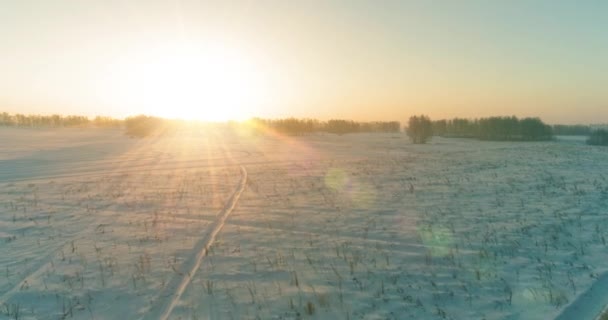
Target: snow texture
{"points": [[226, 224]]}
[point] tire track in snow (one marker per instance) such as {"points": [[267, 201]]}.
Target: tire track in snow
{"points": [[590, 304], [45, 263], [162, 311], [36, 270]]}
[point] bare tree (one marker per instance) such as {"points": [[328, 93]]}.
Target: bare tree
{"points": [[419, 129]]}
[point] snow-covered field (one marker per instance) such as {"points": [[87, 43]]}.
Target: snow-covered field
{"points": [[220, 224]]}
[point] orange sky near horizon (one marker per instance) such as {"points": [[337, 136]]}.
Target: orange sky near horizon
{"points": [[358, 60]]}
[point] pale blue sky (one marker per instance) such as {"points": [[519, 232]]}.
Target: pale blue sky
{"points": [[347, 59]]}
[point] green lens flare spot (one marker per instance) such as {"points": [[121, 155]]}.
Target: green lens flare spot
{"points": [[336, 179], [438, 241]]}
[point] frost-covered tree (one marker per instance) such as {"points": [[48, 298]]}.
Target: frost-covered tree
{"points": [[419, 129]]}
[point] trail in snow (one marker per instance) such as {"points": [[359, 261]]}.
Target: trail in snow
{"points": [[39, 268], [163, 310], [589, 304]]}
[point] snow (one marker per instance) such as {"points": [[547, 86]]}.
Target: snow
{"points": [[589, 304], [189, 267], [95, 225]]}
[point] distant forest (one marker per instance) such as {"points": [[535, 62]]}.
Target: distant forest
{"points": [[494, 128], [491, 128], [143, 123], [146, 125], [34, 121], [497, 128], [293, 126]]}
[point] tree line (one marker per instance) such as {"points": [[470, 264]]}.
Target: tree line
{"points": [[494, 128], [419, 128], [294, 126], [143, 125], [55, 120]]}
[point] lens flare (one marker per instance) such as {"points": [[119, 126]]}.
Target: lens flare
{"points": [[360, 194], [437, 240], [337, 180]]}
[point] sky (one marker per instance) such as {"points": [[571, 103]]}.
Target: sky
{"points": [[361, 60]]}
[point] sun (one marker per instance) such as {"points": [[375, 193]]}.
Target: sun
{"points": [[194, 82]]}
